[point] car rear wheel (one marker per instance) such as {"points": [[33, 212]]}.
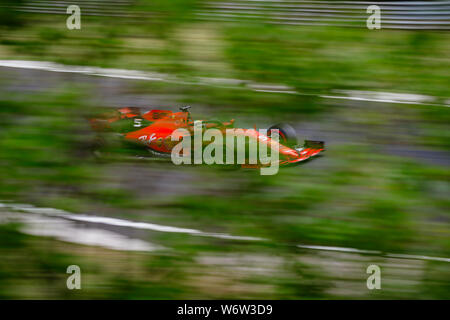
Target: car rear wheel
{"points": [[287, 133]]}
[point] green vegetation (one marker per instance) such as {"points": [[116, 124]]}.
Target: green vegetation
{"points": [[360, 195]]}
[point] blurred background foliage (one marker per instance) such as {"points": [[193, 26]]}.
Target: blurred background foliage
{"points": [[360, 195]]}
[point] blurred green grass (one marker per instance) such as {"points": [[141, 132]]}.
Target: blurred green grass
{"points": [[309, 59], [359, 198]]}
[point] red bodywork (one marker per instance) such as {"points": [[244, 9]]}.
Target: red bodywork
{"points": [[153, 130]]}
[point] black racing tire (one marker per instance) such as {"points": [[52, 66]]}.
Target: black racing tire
{"points": [[288, 136]]}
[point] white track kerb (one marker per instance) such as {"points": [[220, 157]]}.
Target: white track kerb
{"points": [[261, 150]]}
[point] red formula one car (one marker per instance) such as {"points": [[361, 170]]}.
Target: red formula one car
{"points": [[151, 131]]}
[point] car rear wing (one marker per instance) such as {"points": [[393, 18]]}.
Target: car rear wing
{"points": [[314, 144]]}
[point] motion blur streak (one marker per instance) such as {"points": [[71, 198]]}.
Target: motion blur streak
{"points": [[141, 75], [102, 238], [147, 229], [396, 14]]}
